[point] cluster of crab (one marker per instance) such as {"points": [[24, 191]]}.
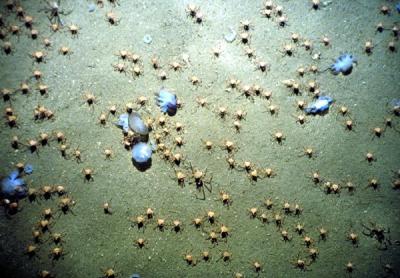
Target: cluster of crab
{"points": [[10, 117], [14, 188], [43, 139], [26, 20], [43, 231], [252, 171], [282, 215], [25, 88], [168, 145], [272, 10], [208, 224], [245, 40], [134, 66], [336, 188]]}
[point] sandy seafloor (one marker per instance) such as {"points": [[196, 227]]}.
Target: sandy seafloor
{"points": [[94, 241]]}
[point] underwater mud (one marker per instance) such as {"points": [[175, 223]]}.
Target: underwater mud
{"points": [[299, 185]]}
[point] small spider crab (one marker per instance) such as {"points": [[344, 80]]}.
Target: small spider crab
{"points": [[54, 11]]}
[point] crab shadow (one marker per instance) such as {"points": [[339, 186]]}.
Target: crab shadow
{"points": [[348, 71], [344, 73], [142, 167], [321, 114]]}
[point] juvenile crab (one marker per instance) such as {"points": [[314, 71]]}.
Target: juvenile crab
{"points": [[199, 178], [74, 29], [112, 18], [192, 10], [278, 137], [180, 177], [65, 51], [138, 221], [7, 47], [38, 56], [225, 198], [176, 66], [140, 243], [229, 146], [300, 263], [65, 204], [287, 50], [309, 152], [120, 67]]}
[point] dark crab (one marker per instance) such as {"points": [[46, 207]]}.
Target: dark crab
{"points": [[54, 11], [379, 233]]}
